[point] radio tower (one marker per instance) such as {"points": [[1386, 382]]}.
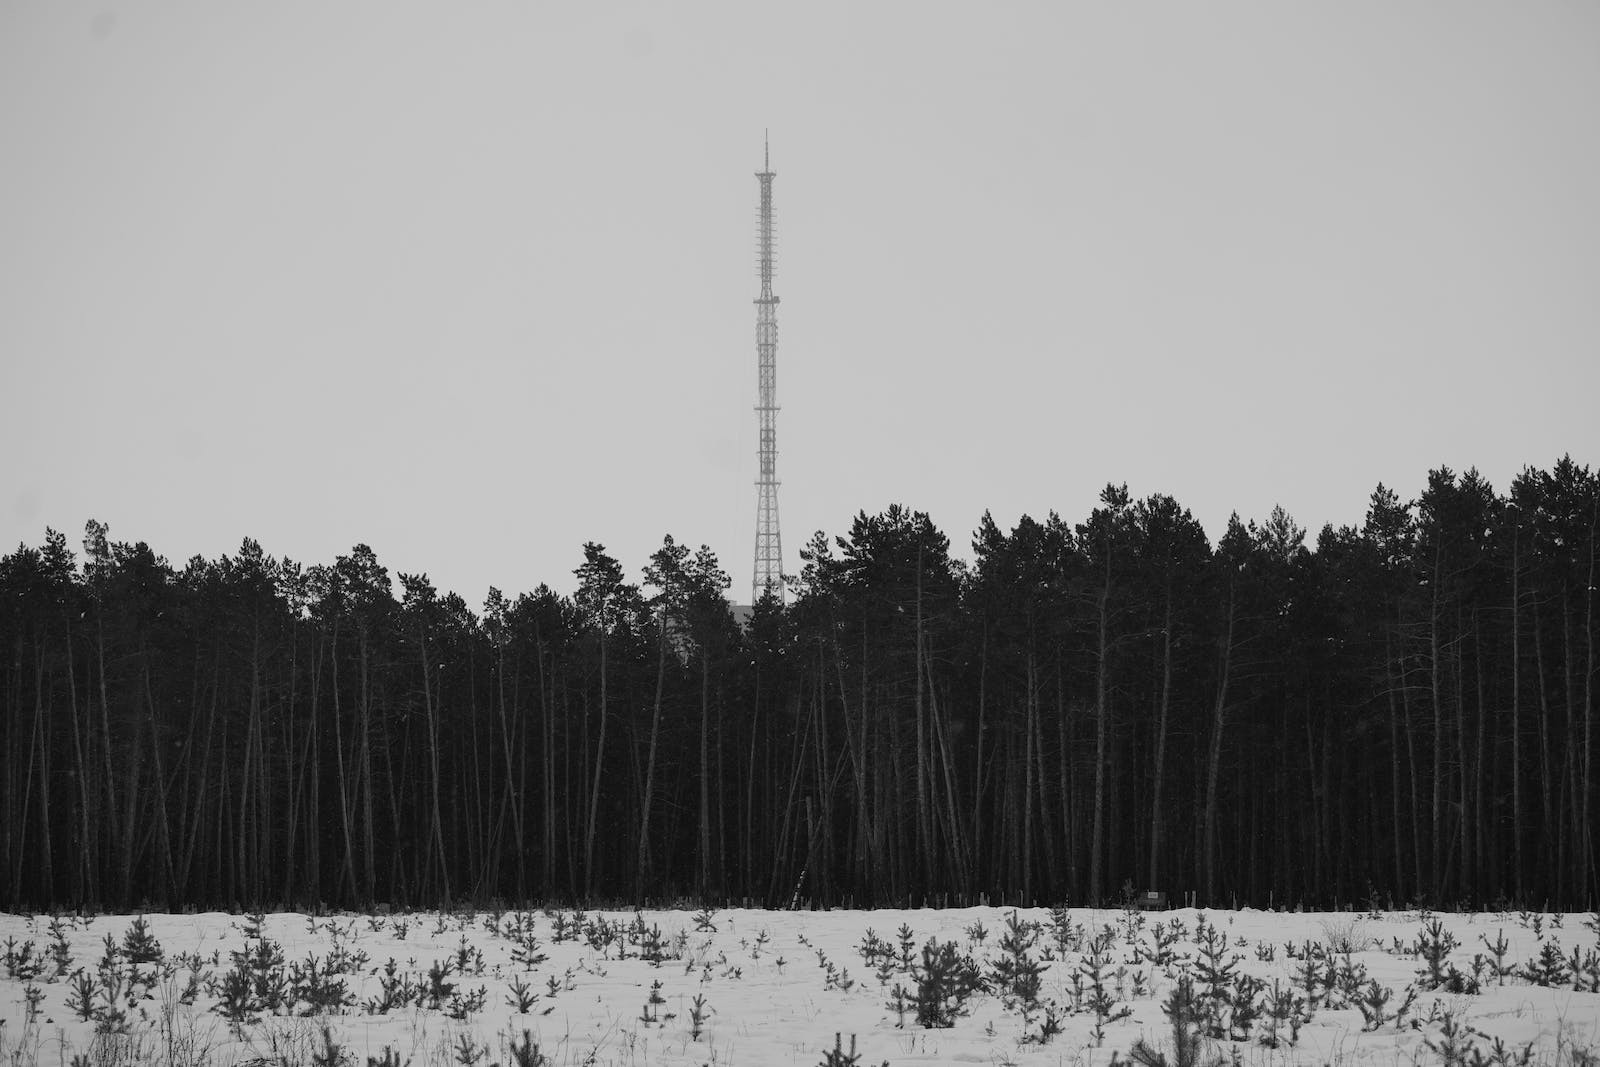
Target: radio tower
{"points": [[769, 544]]}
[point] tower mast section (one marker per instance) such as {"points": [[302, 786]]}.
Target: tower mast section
{"points": [[769, 543]]}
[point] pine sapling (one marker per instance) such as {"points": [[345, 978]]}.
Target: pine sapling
{"points": [[1016, 973], [1584, 965], [1102, 1004], [1216, 969], [526, 1052], [1077, 991], [1283, 1010], [1244, 1006], [1308, 978], [908, 952], [1161, 952], [468, 1052], [1434, 945], [1049, 1027], [1183, 1010], [1374, 1001], [462, 1006], [1455, 1042], [900, 1005], [875, 951], [946, 979], [651, 1013], [1349, 979], [331, 1054], [520, 996], [1501, 1054], [1498, 948], [439, 987], [60, 950], [838, 1057], [837, 978], [1068, 935], [1549, 968], [81, 991]]}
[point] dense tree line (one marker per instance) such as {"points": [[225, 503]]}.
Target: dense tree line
{"points": [[1403, 710]]}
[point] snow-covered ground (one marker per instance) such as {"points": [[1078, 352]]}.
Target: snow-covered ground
{"points": [[773, 988]]}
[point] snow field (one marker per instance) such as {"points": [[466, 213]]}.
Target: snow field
{"points": [[773, 988]]}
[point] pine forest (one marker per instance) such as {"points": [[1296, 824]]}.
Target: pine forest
{"points": [[1393, 712]]}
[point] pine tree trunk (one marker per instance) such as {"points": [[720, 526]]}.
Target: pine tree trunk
{"points": [[1219, 720], [958, 847], [431, 704], [1101, 711], [1463, 825], [1436, 870], [594, 788], [705, 776], [114, 838], [1158, 778], [162, 820], [1394, 773], [1064, 757], [720, 808], [642, 862], [1516, 714], [1042, 780], [855, 750], [88, 878], [347, 788], [369, 830], [508, 746], [1027, 781], [1585, 837], [924, 818], [1551, 832], [748, 858], [547, 756], [1570, 773], [977, 873]]}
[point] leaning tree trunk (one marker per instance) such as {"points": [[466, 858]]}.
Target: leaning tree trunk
{"points": [[508, 749], [1219, 720], [642, 863], [431, 705]]}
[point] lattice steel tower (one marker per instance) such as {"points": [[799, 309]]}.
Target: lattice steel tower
{"points": [[769, 543]]}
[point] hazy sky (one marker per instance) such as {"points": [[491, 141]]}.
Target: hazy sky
{"points": [[472, 283]]}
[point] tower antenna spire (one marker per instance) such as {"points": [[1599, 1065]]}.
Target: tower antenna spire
{"points": [[768, 574]]}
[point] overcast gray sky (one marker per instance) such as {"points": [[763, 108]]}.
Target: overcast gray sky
{"points": [[472, 283]]}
